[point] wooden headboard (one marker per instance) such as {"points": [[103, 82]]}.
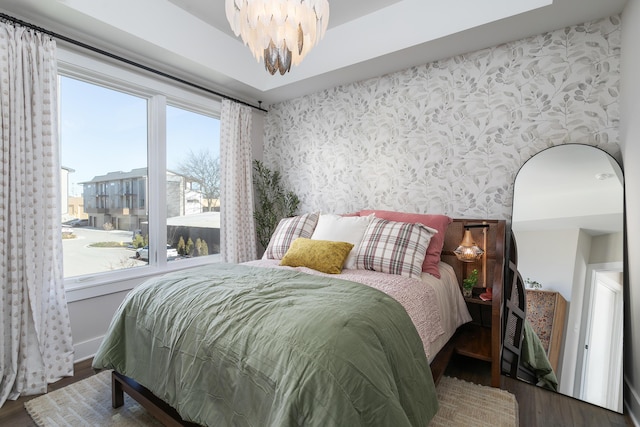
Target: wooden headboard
{"points": [[495, 262]]}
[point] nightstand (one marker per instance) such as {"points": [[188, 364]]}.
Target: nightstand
{"points": [[480, 339], [475, 338]]}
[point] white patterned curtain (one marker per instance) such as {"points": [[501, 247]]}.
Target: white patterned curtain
{"points": [[238, 231], [35, 344]]}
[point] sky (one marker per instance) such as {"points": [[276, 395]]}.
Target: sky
{"points": [[103, 130]]}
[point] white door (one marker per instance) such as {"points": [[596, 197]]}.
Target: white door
{"points": [[602, 367]]}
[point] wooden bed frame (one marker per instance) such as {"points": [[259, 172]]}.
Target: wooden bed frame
{"points": [[474, 341]]}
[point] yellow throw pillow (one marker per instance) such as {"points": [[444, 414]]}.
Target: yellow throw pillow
{"points": [[322, 255]]}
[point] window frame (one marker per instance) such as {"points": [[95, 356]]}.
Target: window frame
{"points": [[159, 93]]}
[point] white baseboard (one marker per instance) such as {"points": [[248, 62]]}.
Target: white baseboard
{"points": [[86, 349], [632, 403]]}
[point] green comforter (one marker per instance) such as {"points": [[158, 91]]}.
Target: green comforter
{"points": [[233, 345]]}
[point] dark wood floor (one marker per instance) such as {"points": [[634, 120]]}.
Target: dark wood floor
{"points": [[537, 407]]}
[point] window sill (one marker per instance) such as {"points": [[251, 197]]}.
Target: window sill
{"points": [[93, 286]]}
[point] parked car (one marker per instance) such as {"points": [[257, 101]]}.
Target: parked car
{"points": [[76, 222], [143, 252]]}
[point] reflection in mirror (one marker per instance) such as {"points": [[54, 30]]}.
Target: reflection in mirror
{"points": [[568, 227]]}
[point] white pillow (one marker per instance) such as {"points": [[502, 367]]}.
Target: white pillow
{"points": [[338, 228]]}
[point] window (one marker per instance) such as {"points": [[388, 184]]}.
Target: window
{"points": [[140, 163], [103, 139], [193, 182]]}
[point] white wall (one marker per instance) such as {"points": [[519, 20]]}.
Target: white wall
{"points": [[575, 311], [607, 248], [548, 257], [630, 146], [89, 321]]}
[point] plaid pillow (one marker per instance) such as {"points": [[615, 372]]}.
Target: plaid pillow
{"points": [[394, 247], [287, 231]]}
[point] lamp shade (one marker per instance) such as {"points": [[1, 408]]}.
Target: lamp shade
{"points": [[468, 251]]}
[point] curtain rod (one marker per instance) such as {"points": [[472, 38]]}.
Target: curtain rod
{"points": [[125, 60]]}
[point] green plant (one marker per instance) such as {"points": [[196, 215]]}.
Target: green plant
{"points": [[471, 280], [533, 284], [201, 247], [273, 201], [138, 241], [181, 246], [188, 249]]}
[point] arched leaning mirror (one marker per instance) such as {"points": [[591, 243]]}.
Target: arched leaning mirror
{"points": [[568, 227]]}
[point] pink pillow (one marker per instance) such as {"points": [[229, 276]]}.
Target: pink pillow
{"points": [[438, 222]]}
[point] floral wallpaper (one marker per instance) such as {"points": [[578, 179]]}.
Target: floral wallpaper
{"points": [[449, 136]]}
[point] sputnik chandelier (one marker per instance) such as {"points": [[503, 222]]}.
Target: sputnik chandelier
{"points": [[280, 31]]}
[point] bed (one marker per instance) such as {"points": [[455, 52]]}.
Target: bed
{"points": [[267, 344]]}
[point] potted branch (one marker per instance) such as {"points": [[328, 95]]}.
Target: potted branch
{"points": [[273, 201]]}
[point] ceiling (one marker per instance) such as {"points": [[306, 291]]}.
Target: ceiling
{"points": [[191, 39], [567, 187]]}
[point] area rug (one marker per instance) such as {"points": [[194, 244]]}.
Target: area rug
{"points": [[88, 403], [466, 404]]}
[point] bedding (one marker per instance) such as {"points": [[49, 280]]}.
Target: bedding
{"points": [[246, 345], [450, 303], [534, 357], [435, 306]]}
